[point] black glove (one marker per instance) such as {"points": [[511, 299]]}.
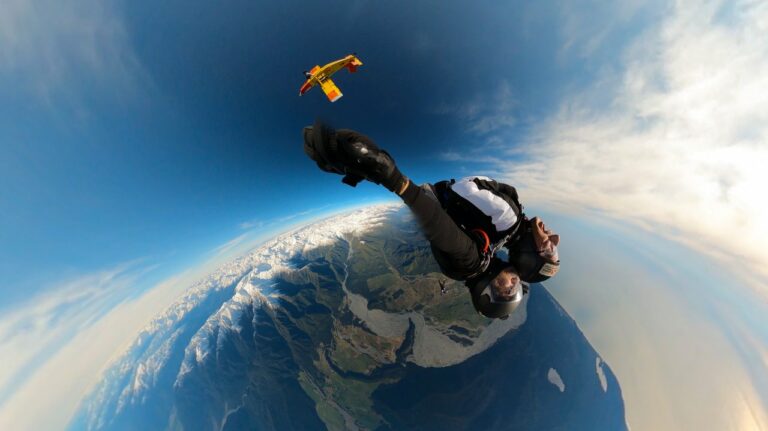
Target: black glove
{"points": [[352, 154], [320, 146]]}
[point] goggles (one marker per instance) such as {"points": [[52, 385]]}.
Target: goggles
{"points": [[529, 261]]}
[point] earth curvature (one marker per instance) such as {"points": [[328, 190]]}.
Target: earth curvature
{"points": [[342, 325]]}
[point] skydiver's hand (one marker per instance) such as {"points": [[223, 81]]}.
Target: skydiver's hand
{"points": [[362, 158], [347, 152], [320, 145]]}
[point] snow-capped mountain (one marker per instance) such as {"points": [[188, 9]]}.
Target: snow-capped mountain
{"points": [[213, 304], [348, 324]]}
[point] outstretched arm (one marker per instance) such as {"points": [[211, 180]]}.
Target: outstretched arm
{"points": [[357, 157]]}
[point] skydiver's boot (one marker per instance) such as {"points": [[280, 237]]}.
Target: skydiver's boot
{"points": [[354, 155]]}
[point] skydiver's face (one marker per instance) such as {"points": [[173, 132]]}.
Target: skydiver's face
{"points": [[546, 240], [506, 284]]}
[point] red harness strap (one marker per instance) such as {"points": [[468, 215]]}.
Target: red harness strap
{"points": [[485, 237]]}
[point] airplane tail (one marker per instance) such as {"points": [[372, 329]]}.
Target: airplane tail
{"points": [[354, 64]]}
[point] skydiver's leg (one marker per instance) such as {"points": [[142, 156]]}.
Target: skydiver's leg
{"points": [[456, 252]]}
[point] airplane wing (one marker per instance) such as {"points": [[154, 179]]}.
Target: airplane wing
{"points": [[350, 62], [331, 90], [309, 83]]}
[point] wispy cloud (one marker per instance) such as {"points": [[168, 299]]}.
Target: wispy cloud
{"points": [[259, 223], [484, 113], [450, 156], [489, 117], [695, 307], [44, 328], [54, 52], [55, 346], [31, 332], [581, 38], [684, 144], [251, 224], [231, 244]]}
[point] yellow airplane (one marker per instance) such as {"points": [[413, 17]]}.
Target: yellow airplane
{"points": [[322, 76]]}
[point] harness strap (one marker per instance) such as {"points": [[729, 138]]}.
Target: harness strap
{"points": [[487, 240]]}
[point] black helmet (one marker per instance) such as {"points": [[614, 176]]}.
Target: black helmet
{"points": [[486, 302], [525, 257]]}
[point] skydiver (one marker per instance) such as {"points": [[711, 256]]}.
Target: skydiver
{"points": [[443, 289], [467, 222]]}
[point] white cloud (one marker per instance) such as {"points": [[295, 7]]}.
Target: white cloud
{"points": [[29, 332], [251, 224], [601, 374], [581, 37], [56, 346], [57, 386], [450, 156], [484, 114], [675, 142], [231, 244], [683, 147], [47, 326], [672, 330], [259, 223], [554, 377], [56, 51]]}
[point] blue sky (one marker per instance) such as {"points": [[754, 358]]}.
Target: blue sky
{"points": [[182, 128], [142, 144]]}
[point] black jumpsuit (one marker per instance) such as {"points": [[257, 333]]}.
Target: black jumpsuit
{"points": [[459, 254]]}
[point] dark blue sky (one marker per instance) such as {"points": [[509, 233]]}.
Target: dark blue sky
{"points": [[200, 131]]}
